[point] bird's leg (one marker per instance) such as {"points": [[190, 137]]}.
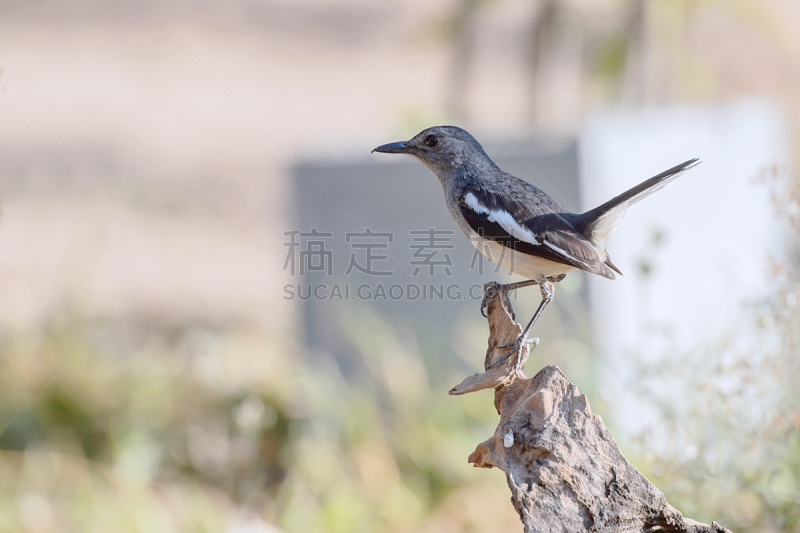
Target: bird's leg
{"points": [[548, 291], [492, 288]]}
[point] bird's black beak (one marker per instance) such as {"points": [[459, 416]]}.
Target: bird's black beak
{"points": [[395, 148]]}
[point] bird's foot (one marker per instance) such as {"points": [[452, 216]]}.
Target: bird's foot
{"points": [[516, 348], [490, 290]]}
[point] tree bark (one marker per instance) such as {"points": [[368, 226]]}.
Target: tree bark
{"points": [[565, 471]]}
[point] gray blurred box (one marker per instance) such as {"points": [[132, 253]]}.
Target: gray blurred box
{"points": [[396, 196]]}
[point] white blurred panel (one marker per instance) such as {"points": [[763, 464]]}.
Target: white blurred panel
{"points": [[716, 225]]}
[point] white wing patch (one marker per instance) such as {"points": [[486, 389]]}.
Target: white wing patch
{"points": [[473, 204], [503, 218]]}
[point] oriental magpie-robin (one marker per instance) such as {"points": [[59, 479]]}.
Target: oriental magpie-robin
{"points": [[517, 225]]}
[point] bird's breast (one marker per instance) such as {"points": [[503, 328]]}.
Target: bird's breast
{"points": [[526, 265]]}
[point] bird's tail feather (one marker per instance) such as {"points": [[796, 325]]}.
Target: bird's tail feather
{"points": [[598, 224]]}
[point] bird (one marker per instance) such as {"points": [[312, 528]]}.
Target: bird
{"points": [[517, 225]]}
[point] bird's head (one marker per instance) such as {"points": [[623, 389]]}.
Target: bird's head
{"points": [[444, 149]]}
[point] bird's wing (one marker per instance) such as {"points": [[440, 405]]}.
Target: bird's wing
{"points": [[550, 236]]}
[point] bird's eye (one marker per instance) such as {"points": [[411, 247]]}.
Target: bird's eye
{"points": [[432, 140]]}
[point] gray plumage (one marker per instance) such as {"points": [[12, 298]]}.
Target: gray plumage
{"points": [[497, 209], [516, 224]]}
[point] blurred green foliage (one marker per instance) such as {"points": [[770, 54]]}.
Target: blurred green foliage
{"points": [[103, 434]]}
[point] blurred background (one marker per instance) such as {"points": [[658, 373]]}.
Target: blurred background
{"points": [[164, 167]]}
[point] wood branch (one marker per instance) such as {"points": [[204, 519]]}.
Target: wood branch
{"points": [[565, 471]]}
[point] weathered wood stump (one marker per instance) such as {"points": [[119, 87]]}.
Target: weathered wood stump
{"points": [[565, 471]]}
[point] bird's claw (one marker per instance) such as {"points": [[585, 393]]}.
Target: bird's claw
{"points": [[516, 348], [520, 342], [490, 290]]}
